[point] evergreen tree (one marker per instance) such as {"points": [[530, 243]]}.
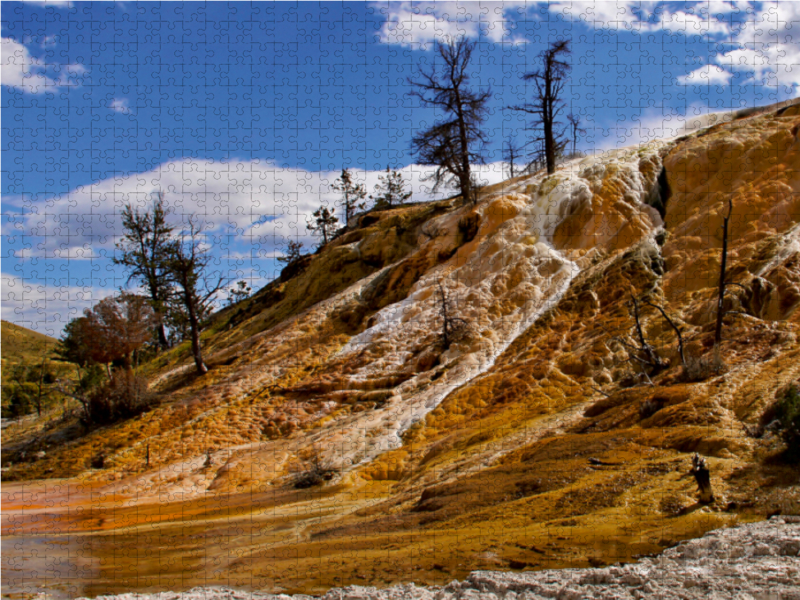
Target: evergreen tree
{"points": [[241, 292], [353, 195], [324, 223], [144, 251], [293, 252], [391, 190]]}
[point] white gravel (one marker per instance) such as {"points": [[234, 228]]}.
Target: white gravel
{"points": [[760, 561]]}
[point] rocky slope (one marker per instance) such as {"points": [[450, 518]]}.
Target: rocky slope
{"points": [[475, 456], [750, 561]]}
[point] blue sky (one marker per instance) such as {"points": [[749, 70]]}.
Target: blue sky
{"points": [[244, 113]]}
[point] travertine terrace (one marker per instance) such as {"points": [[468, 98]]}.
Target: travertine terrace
{"points": [[476, 457]]}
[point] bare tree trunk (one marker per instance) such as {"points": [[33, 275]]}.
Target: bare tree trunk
{"points": [[652, 356], [549, 142], [194, 325], [703, 479], [549, 150], [445, 317], [675, 329], [465, 178], [722, 269]]}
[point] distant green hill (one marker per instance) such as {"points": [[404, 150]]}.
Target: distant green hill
{"points": [[21, 345]]}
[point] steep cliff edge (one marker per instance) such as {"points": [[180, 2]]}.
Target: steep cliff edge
{"points": [[475, 456]]}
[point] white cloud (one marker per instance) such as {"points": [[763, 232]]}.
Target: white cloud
{"points": [[604, 15], [250, 210], [766, 45], [120, 105], [47, 41], [655, 124], [43, 307], [689, 23], [58, 3], [244, 205], [635, 15], [706, 75], [418, 24], [718, 7], [22, 71]]}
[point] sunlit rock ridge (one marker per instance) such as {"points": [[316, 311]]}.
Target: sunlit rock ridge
{"points": [[442, 461]]}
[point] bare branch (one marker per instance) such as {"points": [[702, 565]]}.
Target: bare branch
{"points": [[674, 327]]}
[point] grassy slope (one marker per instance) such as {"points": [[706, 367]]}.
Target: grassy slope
{"points": [[23, 346]]}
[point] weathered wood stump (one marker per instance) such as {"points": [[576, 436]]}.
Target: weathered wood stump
{"points": [[703, 478]]}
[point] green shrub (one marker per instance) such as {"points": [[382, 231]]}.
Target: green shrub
{"points": [[19, 399], [788, 414]]}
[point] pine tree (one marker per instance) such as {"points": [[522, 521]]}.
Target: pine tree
{"points": [[353, 195], [324, 223], [241, 292], [293, 252], [144, 250], [391, 190]]}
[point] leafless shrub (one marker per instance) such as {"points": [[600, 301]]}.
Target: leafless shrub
{"points": [[454, 328], [313, 471], [124, 396], [700, 368]]}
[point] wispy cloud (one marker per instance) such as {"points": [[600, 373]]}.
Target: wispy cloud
{"points": [[706, 75], [33, 75], [120, 105], [656, 124], [766, 45], [418, 24], [244, 205], [695, 18], [43, 307], [56, 3]]}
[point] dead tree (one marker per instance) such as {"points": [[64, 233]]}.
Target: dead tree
{"points": [[454, 328], [575, 127], [723, 283], [512, 154], [675, 328], [189, 266], [644, 353], [703, 478], [547, 104], [145, 250], [453, 144]]}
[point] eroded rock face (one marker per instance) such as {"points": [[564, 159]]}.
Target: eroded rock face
{"points": [[753, 164], [751, 561]]}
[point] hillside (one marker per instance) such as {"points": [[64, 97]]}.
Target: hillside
{"points": [[445, 461], [21, 345]]}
